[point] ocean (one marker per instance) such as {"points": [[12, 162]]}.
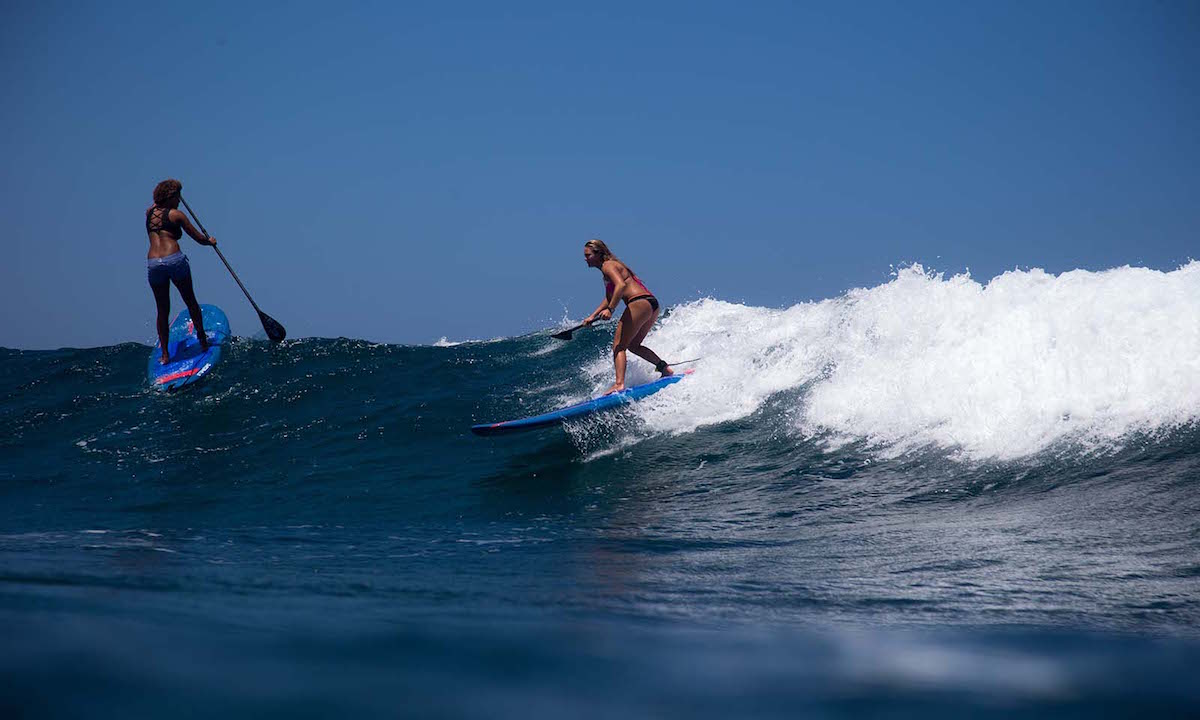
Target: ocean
{"points": [[931, 498]]}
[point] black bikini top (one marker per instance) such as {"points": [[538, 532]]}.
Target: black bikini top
{"points": [[158, 219]]}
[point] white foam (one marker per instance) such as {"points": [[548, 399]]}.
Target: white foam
{"points": [[1001, 370], [445, 342]]}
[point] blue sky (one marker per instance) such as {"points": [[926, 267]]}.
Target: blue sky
{"points": [[406, 171]]}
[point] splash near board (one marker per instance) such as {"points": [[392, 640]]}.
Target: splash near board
{"points": [[587, 407], [189, 364]]}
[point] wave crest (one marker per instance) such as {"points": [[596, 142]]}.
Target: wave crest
{"points": [[995, 371]]}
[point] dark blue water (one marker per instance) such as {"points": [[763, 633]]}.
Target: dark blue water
{"points": [[315, 532]]}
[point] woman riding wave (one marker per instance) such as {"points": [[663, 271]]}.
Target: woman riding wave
{"points": [[166, 263], [641, 310]]}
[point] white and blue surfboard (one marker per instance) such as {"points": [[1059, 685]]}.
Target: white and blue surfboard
{"points": [[189, 364], [578, 410]]}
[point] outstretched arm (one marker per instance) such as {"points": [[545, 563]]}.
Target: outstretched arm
{"points": [[596, 313], [186, 224]]}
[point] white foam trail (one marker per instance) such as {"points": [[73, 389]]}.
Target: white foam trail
{"points": [[445, 342], [995, 371]]}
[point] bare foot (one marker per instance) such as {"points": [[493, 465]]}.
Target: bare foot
{"points": [[667, 371], [164, 359], [617, 387]]}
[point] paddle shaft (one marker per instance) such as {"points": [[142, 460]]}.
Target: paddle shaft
{"points": [[221, 255]]}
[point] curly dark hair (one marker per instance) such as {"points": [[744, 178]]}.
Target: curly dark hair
{"points": [[166, 190]]}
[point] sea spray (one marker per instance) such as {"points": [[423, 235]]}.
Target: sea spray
{"points": [[993, 371]]}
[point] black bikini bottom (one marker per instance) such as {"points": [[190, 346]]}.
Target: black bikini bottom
{"points": [[650, 298]]}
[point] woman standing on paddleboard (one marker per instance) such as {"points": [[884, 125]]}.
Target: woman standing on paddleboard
{"points": [[166, 263], [641, 310]]}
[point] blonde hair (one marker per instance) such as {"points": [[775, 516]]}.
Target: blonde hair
{"points": [[597, 245]]}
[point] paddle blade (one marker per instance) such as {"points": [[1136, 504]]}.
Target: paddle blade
{"points": [[566, 334], [274, 330]]}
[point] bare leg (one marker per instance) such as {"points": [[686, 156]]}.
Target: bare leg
{"points": [[637, 348], [162, 299], [189, 298], [635, 323], [620, 343], [651, 357], [619, 366]]}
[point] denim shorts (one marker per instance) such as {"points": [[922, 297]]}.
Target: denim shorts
{"points": [[160, 271]]}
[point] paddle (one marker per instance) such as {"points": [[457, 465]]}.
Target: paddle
{"points": [[274, 330], [566, 334]]}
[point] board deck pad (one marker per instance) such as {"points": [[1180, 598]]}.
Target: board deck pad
{"points": [[587, 407], [188, 363]]}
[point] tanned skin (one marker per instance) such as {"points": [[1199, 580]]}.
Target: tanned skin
{"points": [[162, 244], [635, 322]]}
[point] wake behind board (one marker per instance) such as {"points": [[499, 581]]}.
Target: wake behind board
{"points": [[587, 407], [188, 362]]}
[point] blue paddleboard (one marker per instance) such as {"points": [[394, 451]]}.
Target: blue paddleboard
{"points": [[188, 363], [587, 407]]}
